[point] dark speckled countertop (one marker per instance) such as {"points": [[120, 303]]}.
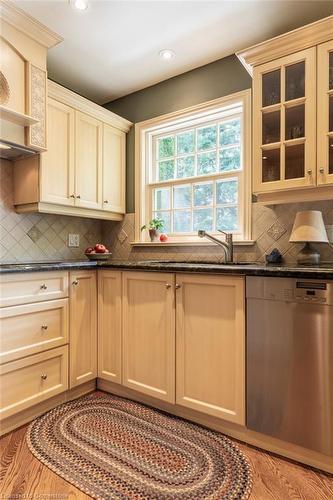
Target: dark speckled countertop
{"points": [[324, 271]]}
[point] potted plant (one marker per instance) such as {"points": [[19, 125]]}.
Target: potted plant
{"points": [[154, 227]]}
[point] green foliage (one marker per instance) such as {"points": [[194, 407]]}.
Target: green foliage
{"points": [[207, 138], [166, 170], [203, 194], [185, 142], [226, 192], [166, 147], [229, 159], [206, 163], [203, 219], [230, 133], [185, 166], [156, 223]]}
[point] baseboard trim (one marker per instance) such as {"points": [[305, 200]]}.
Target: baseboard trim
{"points": [[287, 450], [14, 421]]}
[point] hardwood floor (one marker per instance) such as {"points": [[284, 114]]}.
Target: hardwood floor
{"points": [[23, 477]]}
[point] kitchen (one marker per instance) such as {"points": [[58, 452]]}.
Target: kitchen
{"points": [[166, 250]]}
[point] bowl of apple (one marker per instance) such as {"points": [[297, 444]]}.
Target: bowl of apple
{"points": [[98, 252]]}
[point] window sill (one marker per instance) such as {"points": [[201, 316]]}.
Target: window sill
{"points": [[176, 243]]}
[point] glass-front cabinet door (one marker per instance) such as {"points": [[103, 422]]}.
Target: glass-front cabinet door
{"points": [[325, 113], [285, 123]]}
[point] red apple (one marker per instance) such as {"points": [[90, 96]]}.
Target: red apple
{"points": [[100, 248], [163, 237], [89, 250]]}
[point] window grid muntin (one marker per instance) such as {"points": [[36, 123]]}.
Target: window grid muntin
{"points": [[217, 149]]}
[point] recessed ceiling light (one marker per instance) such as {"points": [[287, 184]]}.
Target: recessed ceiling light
{"points": [[167, 54], [4, 146], [79, 4]]}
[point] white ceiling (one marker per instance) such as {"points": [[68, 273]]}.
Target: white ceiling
{"points": [[111, 49]]}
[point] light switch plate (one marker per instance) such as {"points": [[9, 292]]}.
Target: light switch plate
{"points": [[73, 240]]}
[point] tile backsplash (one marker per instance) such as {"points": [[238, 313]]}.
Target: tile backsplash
{"points": [[271, 228], [31, 237]]}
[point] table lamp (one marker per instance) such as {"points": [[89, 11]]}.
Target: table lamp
{"points": [[308, 228]]}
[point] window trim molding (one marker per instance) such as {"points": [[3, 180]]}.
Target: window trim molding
{"points": [[147, 126]]}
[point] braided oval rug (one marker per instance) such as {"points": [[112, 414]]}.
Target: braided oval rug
{"points": [[110, 447]]}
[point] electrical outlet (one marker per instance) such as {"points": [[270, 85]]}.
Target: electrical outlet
{"points": [[73, 240], [329, 230]]}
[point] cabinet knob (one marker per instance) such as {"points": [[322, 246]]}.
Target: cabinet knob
{"points": [[44, 376], [78, 196], [106, 201], [309, 172], [72, 196], [167, 285], [43, 286], [177, 286], [44, 327], [321, 170], [75, 282]]}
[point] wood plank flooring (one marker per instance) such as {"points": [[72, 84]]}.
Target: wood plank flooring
{"points": [[23, 477]]}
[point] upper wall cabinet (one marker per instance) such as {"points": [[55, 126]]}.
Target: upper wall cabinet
{"points": [[23, 45], [292, 107], [83, 171]]}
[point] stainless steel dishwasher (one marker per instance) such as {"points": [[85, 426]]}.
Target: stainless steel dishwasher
{"points": [[290, 360]]}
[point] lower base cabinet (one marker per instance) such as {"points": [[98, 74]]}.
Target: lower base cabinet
{"points": [[33, 379], [149, 334], [109, 325], [83, 327], [210, 349]]}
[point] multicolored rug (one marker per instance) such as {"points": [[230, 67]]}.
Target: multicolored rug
{"points": [[114, 448]]}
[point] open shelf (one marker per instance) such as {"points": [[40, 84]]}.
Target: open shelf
{"points": [[15, 117]]}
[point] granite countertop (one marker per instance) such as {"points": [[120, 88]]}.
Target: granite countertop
{"points": [[324, 271]]}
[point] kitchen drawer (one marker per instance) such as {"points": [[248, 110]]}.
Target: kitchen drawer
{"points": [[31, 380], [31, 328], [33, 287]]}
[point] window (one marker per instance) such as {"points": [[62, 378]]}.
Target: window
{"points": [[194, 170]]}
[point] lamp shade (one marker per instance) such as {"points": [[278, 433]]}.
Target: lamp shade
{"points": [[309, 226]]}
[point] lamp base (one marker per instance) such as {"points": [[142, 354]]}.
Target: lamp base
{"points": [[308, 256]]}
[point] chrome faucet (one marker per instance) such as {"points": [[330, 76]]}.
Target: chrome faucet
{"points": [[227, 245]]}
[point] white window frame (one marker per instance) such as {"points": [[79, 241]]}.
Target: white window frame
{"points": [[202, 113]]}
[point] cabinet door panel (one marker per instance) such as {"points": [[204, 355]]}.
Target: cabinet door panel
{"points": [[88, 161], [83, 327], [57, 163], [113, 169], [284, 123], [210, 323], [325, 114], [109, 325], [149, 334]]}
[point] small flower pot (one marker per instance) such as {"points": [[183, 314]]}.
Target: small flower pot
{"points": [[154, 235]]}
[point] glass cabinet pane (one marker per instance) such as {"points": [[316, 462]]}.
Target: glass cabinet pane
{"points": [[294, 162], [271, 127], [330, 113], [330, 74], [295, 122], [271, 88], [295, 81], [330, 155], [271, 165]]}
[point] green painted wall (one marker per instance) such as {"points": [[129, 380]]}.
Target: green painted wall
{"points": [[211, 81]]}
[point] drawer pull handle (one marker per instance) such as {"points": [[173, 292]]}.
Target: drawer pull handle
{"points": [[44, 327], [78, 196], [75, 282], [167, 285], [106, 201], [43, 286], [309, 172], [72, 196], [44, 376], [177, 286], [321, 170]]}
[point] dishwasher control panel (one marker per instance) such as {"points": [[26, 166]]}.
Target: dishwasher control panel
{"points": [[312, 291], [290, 289]]}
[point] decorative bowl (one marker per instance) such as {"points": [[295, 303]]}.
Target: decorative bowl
{"points": [[98, 256]]}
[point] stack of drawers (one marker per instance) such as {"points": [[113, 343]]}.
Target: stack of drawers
{"points": [[34, 326]]}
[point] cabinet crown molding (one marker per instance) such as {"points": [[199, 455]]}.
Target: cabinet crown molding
{"points": [[293, 41], [28, 25], [66, 96]]}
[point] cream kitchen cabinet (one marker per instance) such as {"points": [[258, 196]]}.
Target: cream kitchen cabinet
{"points": [[83, 171], [83, 327], [109, 325], [210, 348], [149, 334], [292, 106]]}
